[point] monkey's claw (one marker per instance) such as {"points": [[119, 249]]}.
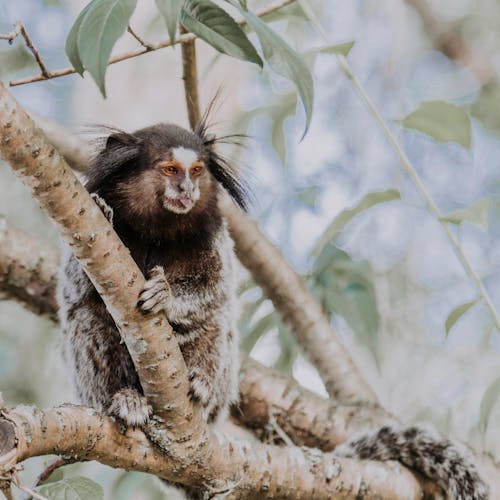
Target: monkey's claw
{"points": [[131, 407], [156, 294], [105, 208]]}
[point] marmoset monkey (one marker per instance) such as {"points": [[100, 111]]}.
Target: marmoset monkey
{"points": [[159, 187]]}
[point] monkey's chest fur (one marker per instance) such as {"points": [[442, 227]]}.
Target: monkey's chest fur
{"points": [[202, 312]]}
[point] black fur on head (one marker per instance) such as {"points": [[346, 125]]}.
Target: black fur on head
{"points": [[219, 166], [125, 153]]}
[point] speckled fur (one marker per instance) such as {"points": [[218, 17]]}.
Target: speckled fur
{"points": [[189, 261], [425, 451]]}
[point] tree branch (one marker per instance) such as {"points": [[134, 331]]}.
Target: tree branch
{"points": [[243, 470], [27, 271], [307, 418], [190, 77]]}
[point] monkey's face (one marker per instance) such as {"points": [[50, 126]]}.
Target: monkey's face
{"points": [[181, 174]]}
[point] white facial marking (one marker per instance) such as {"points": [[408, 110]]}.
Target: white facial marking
{"points": [[186, 157]]}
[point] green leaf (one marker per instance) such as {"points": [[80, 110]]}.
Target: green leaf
{"points": [[457, 313], [308, 196], [288, 350], [339, 48], [72, 41], [441, 120], [73, 488], [171, 12], [475, 214], [345, 287], [490, 397], [214, 25], [260, 328], [338, 224], [283, 60], [100, 27]]}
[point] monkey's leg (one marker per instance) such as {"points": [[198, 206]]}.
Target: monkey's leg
{"points": [[104, 373]]}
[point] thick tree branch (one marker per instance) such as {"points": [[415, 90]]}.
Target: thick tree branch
{"points": [[307, 418], [264, 470], [27, 271]]}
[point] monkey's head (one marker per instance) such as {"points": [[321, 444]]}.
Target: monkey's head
{"points": [[162, 168]]}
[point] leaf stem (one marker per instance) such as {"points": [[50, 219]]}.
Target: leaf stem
{"points": [[412, 173]]}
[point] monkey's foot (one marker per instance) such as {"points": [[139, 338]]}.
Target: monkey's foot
{"points": [[131, 407], [156, 294], [105, 208]]}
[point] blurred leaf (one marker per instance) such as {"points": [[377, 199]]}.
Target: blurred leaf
{"points": [[94, 35], [246, 285], [308, 196], [219, 29], [133, 485], [488, 402], [338, 224], [313, 18], [457, 313], [485, 108], [289, 350], [346, 289], [262, 326], [171, 12], [249, 310], [339, 48], [283, 60], [14, 59], [73, 488], [286, 12], [57, 475], [475, 214], [441, 120]]}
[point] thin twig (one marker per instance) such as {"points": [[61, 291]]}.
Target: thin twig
{"points": [[277, 428], [146, 45], [34, 50], [138, 52], [10, 37], [412, 173]]}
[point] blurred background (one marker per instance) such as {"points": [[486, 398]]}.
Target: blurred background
{"points": [[389, 277]]}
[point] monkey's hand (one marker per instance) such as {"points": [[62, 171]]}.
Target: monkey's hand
{"points": [[131, 407], [156, 294], [106, 209]]}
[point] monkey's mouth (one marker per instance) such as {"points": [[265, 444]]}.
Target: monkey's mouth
{"points": [[180, 205]]}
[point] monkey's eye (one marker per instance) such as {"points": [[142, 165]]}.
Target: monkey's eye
{"points": [[196, 169], [169, 169]]}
